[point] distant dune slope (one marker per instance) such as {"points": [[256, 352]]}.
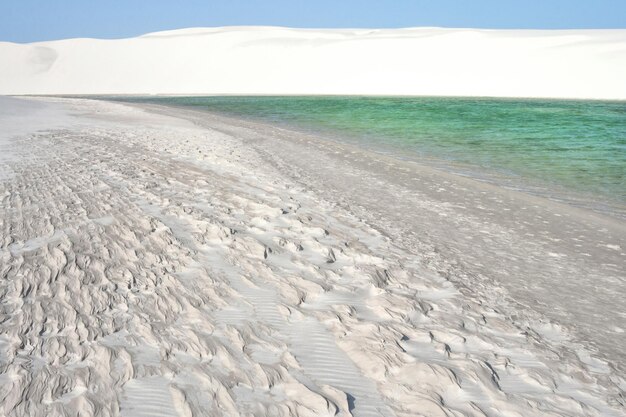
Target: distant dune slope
{"points": [[271, 60]]}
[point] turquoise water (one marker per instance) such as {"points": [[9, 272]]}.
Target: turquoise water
{"points": [[549, 144]]}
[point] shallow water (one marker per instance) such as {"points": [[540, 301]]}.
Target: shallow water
{"points": [[565, 149]]}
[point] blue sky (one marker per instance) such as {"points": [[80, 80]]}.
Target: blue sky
{"points": [[35, 20]]}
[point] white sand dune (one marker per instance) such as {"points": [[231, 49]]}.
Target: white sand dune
{"points": [[272, 60], [160, 262]]}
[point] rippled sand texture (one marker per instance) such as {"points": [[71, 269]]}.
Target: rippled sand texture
{"points": [[153, 267]]}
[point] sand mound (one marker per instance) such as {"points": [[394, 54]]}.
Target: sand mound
{"points": [[270, 60]]}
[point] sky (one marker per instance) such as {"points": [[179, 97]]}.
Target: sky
{"points": [[38, 20]]}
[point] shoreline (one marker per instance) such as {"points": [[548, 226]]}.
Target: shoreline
{"points": [[108, 96], [605, 203], [206, 254], [598, 226], [434, 165]]}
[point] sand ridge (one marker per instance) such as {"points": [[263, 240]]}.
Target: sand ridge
{"points": [[274, 60], [152, 266]]}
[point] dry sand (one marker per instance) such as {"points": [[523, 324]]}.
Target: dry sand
{"points": [[161, 262], [273, 60]]}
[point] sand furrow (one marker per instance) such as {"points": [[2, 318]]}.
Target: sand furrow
{"points": [[147, 269]]}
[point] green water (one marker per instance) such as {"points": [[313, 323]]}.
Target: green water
{"points": [[546, 144]]}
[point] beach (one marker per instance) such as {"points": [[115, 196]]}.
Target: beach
{"points": [[162, 261]]}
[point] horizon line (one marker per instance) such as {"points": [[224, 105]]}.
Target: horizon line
{"points": [[318, 29]]}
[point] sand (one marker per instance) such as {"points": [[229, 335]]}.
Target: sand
{"points": [[164, 262], [274, 60]]}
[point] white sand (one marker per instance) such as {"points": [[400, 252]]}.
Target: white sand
{"points": [[152, 265], [270, 60]]}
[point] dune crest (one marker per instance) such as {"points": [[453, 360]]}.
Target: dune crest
{"points": [[273, 60]]}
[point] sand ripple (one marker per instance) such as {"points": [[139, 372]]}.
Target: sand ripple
{"points": [[153, 268]]}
